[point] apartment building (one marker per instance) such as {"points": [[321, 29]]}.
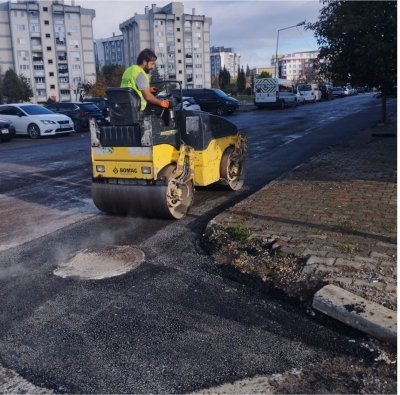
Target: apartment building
{"points": [[50, 43], [181, 42], [221, 57], [294, 65], [109, 51]]}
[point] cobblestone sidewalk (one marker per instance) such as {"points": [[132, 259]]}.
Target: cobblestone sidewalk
{"points": [[338, 211]]}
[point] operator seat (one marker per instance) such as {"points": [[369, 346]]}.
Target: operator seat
{"points": [[124, 105]]}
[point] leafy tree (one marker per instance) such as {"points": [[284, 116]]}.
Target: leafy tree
{"points": [[248, 71], [13, 88], [215, 82], [113, 74], [49, 101], [358, 43], [224, 78], [27, 93], [265, 74], [241, 80]]}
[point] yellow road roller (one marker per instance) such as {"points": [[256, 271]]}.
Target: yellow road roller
{"points": [[150, 164]]}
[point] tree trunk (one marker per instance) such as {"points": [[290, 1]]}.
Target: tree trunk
{"points": [[383, 115]]}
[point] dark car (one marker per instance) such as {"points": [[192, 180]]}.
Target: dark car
{"points": [[100, 102], [79, 113], [326, 91], [338, 91], [7, 130], [211, 100]]}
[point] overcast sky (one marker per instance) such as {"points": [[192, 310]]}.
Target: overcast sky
{"points": [[250, 27]]}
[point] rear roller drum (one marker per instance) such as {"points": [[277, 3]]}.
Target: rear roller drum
{"points": [[233, 173]]}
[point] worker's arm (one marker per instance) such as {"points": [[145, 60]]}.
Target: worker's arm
{"points": [[150, 98]]}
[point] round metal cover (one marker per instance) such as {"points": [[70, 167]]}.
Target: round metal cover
{"points": [[111, 262]]}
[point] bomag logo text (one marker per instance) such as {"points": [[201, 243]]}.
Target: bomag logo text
{"points": [[127, 170]]}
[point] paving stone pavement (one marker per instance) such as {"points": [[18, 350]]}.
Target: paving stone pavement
{"points": [[338, 211]]}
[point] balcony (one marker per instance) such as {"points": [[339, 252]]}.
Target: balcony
{"points": [[37, 59], [63, 70]]}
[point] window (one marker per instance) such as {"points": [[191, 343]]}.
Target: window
{"points": [[198, 66], [52, 87], [46, 22], [51, 74], [47, 35], [76, 67], [178, 29], [48, 48], [35, 41], [35, 27], [64, 92], [40, 92], [38, 67], [76, 79], [197, 45], [180, 71], [199, 86], [199, 76], [177, 18], [33, 14], [179, 40], [198, 25], [170, 23], [19, 27], [50, 61], [45, 9], [198, 35], [179, 51], [21, 40], [73, 42], [158, 23], [64, 80], [160, 34], [39, 80], [160, 45], [73, 29], [72, 16], [58, 16], [18, 13], [188, 24], [23, 53], [198, 56], [179, 61], [24, 66]]}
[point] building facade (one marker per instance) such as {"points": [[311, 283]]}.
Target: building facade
{"points": [[221, 57], [109, 51], [51, 44], [181, 42], [293, 66]]}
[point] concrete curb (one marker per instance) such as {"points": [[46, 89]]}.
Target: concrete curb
{"points": [[368, 317]]}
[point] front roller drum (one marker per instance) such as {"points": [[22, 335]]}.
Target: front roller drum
{"points": [[171, 201]]}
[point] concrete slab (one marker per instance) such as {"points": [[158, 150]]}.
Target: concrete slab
{"points": [[369, 317]]}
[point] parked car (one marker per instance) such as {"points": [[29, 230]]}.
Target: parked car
{"points": [[347, 90], [211, 100], [301, 99], [189, 104], [310, 92], [102, 103], [338, 91], [7, 130], [35, 120], [360, 89], [326, 91], [79, 113]]}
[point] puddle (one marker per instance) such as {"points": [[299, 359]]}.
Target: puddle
{"points": [[111, 262]]}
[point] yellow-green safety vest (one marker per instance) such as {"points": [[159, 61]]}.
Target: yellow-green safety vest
{"points": [[129, 81]]}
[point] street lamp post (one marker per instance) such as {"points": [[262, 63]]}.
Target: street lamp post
{"points": [[277, 39]]}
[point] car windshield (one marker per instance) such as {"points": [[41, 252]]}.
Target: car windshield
{"points": [[189, 100], [304, 88], [35, 110], [89, 107], [220, 93]]}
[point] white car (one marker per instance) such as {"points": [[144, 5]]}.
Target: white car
{"points": [[301, 99], [35, 120], [189, 104]]}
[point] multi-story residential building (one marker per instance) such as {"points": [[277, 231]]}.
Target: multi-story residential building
{"points": [[258, 70], [109, 51], [294, 65], [221, 57], [181, 42], [50, 43]]}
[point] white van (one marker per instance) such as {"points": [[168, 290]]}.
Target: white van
{"points": [[274, 92], [310, 92]]}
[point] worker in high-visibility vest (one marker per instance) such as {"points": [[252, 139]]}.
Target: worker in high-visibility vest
{"points": [[136, 77]]}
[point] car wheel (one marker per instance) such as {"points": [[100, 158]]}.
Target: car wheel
{"points": [[295, 103], [77, 126], [282, 105], [33, 131], [220, 111]]}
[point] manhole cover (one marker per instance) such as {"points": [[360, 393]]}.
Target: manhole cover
{"points": [[111, 262]]}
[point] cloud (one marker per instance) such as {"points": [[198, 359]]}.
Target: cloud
{"points": [[250, 27]]}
